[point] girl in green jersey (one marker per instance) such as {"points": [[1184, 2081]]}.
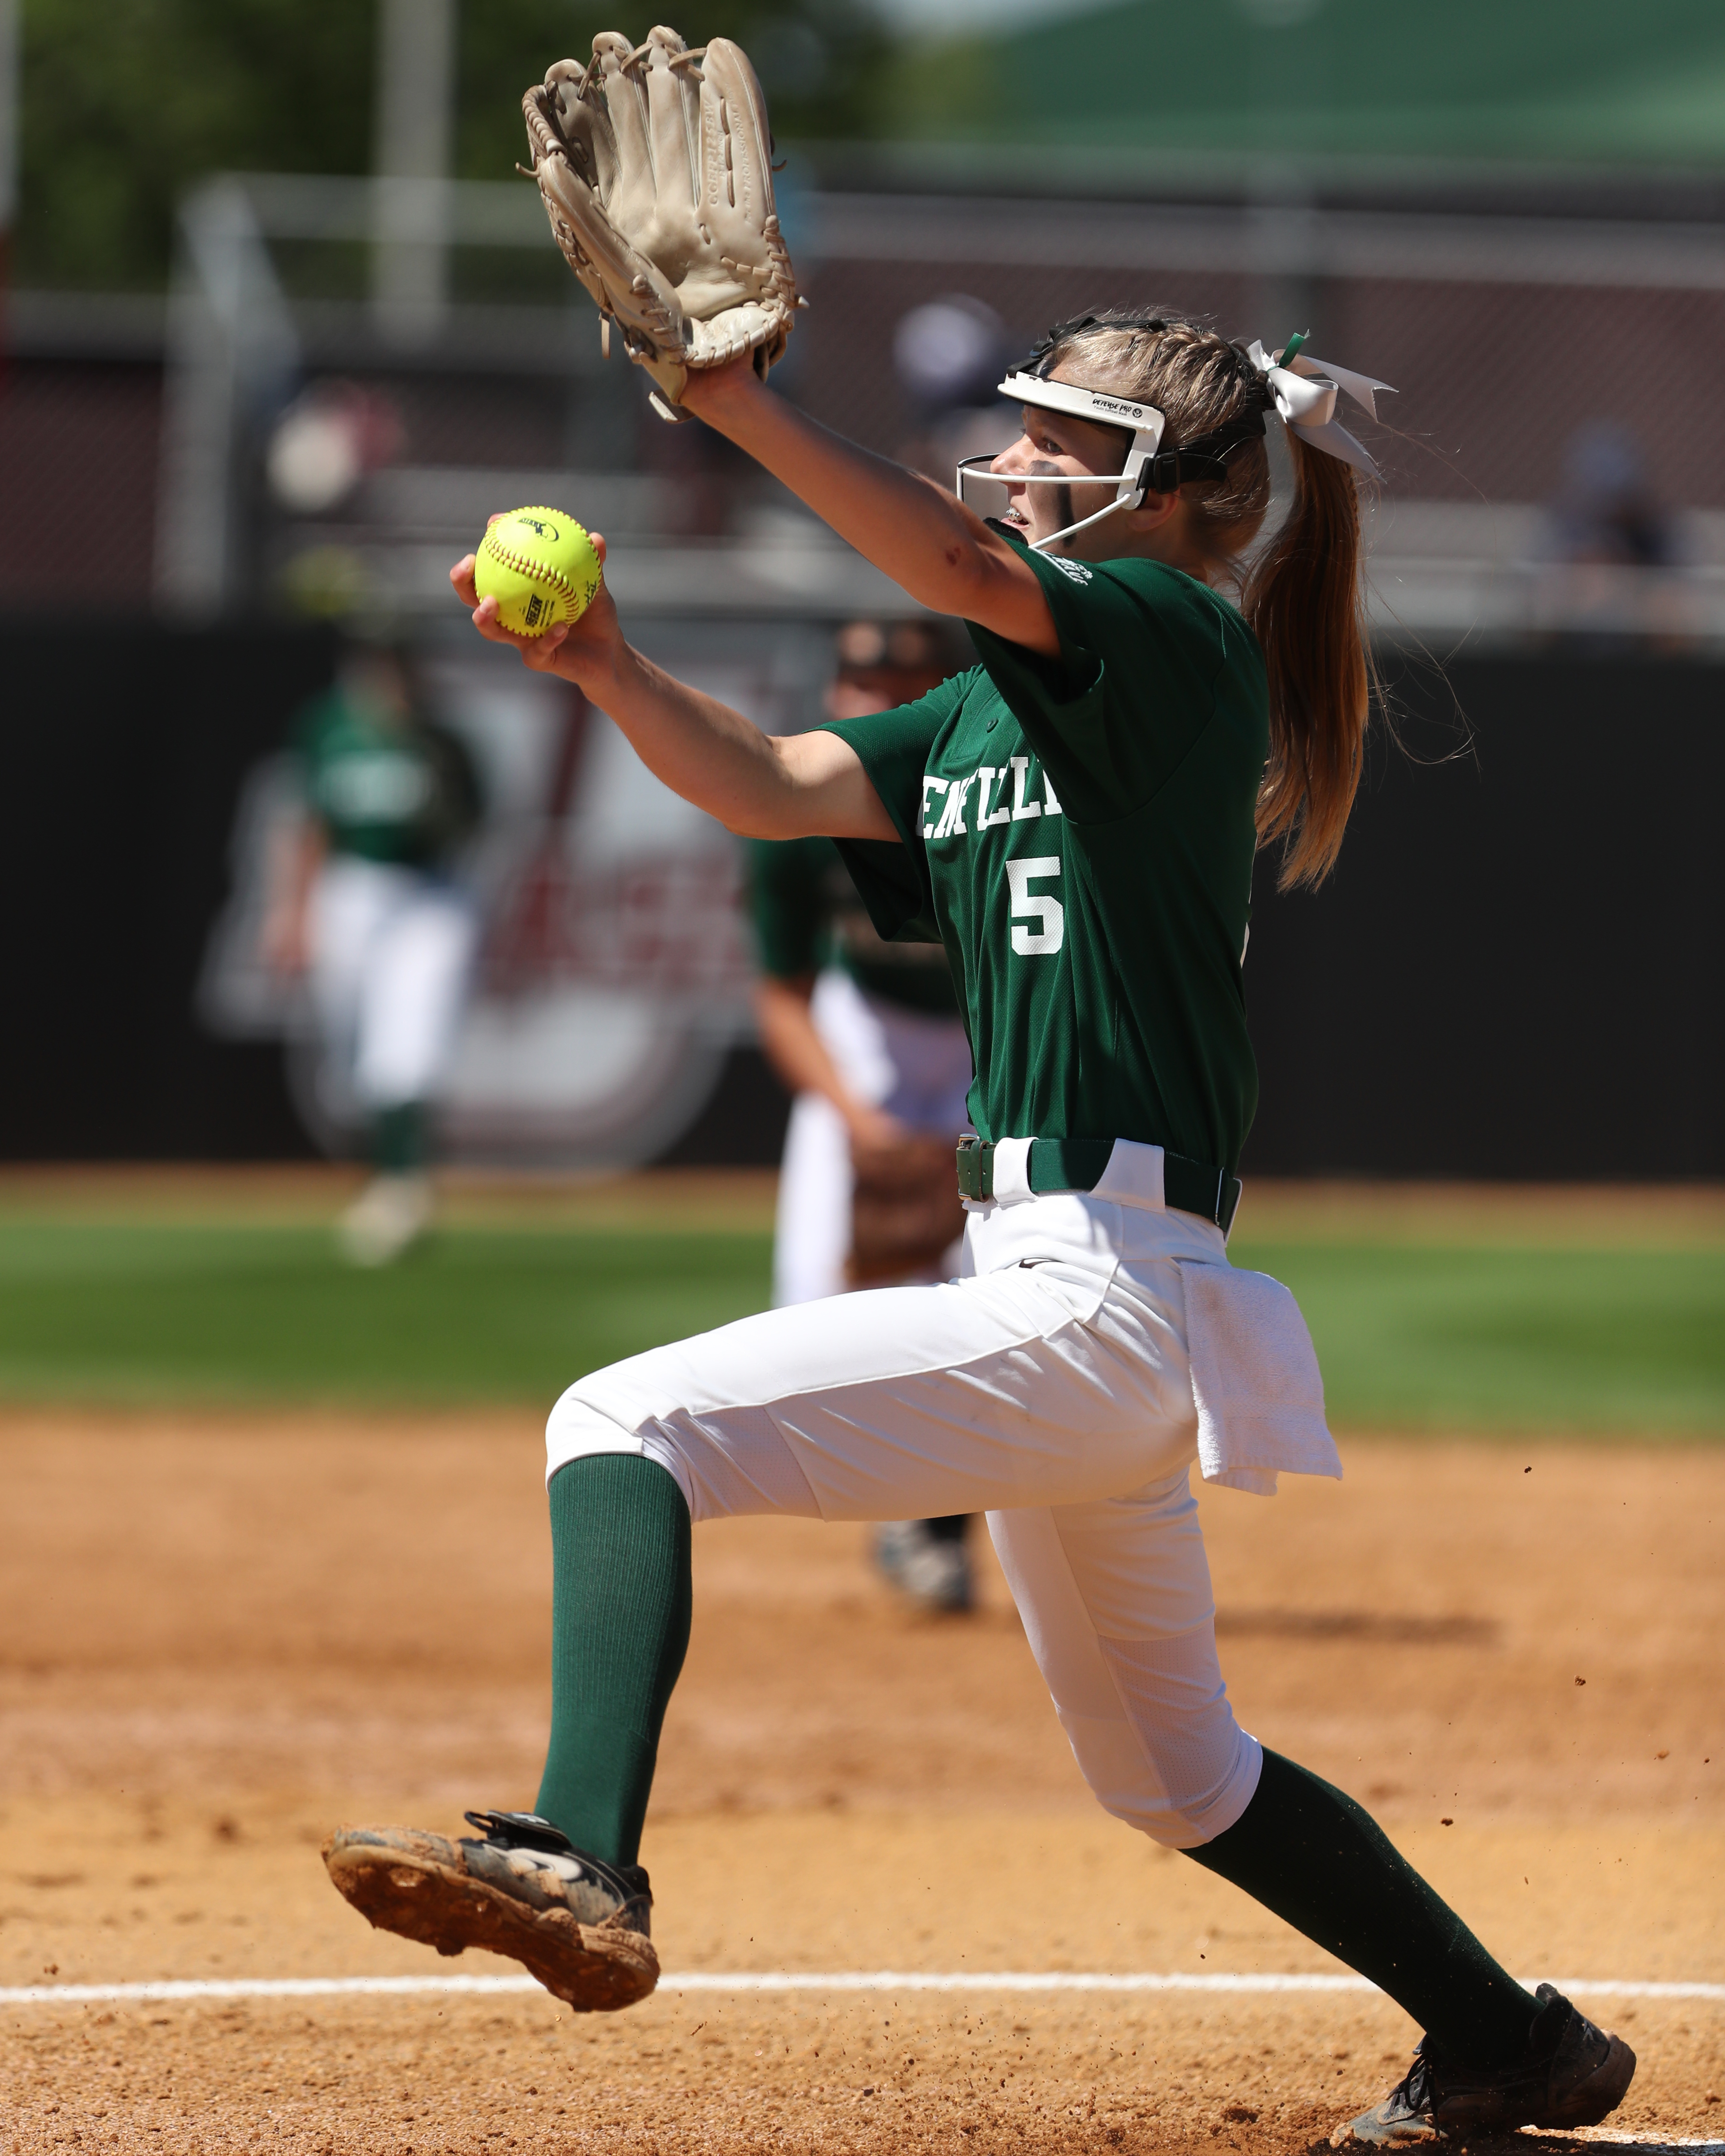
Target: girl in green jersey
{"points": [[1076, 820]]}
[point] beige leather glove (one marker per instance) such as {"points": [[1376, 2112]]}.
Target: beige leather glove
{"points": [[655, 167]]}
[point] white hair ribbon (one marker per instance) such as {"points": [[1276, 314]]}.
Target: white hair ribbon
{"points": [[1304, 390]]}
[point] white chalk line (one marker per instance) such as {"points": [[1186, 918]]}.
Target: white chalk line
{"points": [[780, 1980], [1618, 2137]]}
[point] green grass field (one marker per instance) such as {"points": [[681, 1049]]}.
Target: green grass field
{"points": [[1486, 1339], [194, 1310], [1415, 1330]]}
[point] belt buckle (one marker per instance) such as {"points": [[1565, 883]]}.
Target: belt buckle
{"points": [[976, 1168]]}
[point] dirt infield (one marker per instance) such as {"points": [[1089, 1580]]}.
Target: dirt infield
{"points": [[219, 1635]]}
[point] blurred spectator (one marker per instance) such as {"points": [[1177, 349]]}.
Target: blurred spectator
{"points": [[949, 356], [326, 441], [949, 353], [1613, 551], [363, 900]]}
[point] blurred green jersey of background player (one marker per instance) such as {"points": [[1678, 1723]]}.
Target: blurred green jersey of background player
{"points": [[366, 901]]}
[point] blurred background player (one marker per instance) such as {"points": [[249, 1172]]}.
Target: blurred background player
{"points": [[867, 1038], [1612, 578], [365, 900]]}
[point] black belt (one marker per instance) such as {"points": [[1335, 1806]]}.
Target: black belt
{"points": [[1079, 1164]]}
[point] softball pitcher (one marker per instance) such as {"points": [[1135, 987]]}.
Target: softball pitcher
{"points": [[1076, 820], [364, 902]]}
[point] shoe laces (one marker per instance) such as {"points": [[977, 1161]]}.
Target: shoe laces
{"points": [[1417, 2090]]}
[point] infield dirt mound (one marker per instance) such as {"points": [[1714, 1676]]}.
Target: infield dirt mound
{"points": [[220, 1634]]}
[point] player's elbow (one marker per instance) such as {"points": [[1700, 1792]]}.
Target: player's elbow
{"points": [[953, 575], [979, 577], [767, 818]]}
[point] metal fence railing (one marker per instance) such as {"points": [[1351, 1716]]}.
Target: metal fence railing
{"points": [[1508, 338]]}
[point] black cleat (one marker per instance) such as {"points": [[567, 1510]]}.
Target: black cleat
{"points": [[1571, 2073], [517, 1888]]}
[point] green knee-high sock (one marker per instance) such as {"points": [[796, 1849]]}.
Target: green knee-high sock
{"points": [[400, 1139], [1325, 1867], [621, 1598]]}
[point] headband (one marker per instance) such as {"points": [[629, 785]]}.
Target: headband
{"points": [[1300, 390]]}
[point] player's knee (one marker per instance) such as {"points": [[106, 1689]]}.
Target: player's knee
{"points": [[1181, 1797], [1174, 1763], [579, 1426], [601, 1413]]}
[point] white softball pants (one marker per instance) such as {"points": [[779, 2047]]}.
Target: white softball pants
{"points": [[391, 952], [1049, 1388], [917, 1067]]}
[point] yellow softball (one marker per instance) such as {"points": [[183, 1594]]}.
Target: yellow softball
{"points": [[540, 567]]}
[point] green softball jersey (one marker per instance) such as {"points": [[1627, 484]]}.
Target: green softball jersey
{"points": [[807, 914], [1079, 834], [400, 793]]}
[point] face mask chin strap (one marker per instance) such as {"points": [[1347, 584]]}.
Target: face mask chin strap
{"points": [[1083, 523]]}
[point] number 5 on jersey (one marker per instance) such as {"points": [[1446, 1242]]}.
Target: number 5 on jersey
{"points": [[1039, 907]]}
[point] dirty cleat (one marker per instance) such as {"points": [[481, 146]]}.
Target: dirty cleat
{"points": [[517, 1888], [1571, 2073]]}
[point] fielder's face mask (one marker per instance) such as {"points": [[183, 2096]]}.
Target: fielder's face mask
{"points": [[1300, 392]]}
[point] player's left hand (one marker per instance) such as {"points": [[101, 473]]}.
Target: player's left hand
{"points": [[580, 651]]}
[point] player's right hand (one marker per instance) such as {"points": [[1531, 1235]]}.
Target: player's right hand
{"points": [[580, 651]]}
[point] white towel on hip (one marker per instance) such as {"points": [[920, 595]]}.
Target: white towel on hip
{"points": [[1255, 1379]]}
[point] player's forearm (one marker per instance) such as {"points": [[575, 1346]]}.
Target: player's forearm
{"points": [[756, 785], [802, 786], [791, 1044], [293, 863], [926, 541], [699, 748], [804, 1064], [296, 857]]}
